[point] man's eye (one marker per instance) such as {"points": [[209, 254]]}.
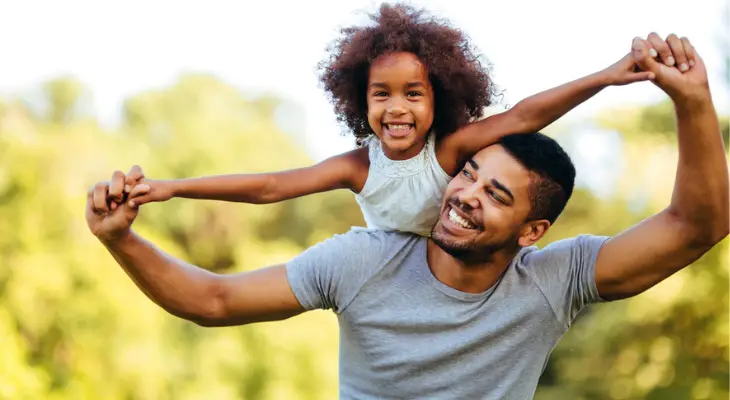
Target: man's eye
{"points": [[466, 173], [497, 197]]}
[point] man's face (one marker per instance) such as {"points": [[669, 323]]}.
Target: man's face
{"points": [[486, 206]]}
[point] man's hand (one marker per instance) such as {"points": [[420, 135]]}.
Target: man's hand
{"points": [[681, 74], [624, 71], [108, 215]]}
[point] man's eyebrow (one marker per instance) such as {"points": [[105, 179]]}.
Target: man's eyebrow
{"points": [[503, 188], [495, 182]]}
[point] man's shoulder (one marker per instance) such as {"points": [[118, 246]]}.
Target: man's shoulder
{"points": [[559, 251], [332, 272], [367, 241]]}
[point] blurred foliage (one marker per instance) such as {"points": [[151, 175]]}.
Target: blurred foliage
{"points": [[73, 326]]}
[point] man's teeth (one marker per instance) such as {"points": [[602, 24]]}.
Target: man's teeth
{"points": [[455, 218], [399, 127]]}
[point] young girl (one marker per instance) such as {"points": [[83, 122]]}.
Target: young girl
{"points": [[407, 87]]}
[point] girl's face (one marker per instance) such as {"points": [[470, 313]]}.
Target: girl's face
{"points": [[400, 104]]}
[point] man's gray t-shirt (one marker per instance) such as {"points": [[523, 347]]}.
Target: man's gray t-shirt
{"points": [[406, 335]]}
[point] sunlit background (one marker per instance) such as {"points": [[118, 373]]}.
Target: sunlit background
{"points": [[196, 88]]}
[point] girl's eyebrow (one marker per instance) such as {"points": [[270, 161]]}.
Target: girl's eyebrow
{"points": [[379, 85]]}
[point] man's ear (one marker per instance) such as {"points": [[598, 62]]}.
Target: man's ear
{"points": [[532, 232]]}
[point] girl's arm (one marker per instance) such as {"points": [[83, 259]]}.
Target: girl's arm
{"points": [[533, 113], [345, 171]]}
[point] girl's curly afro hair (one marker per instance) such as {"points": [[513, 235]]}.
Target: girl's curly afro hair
{"points": [[461, 84]]}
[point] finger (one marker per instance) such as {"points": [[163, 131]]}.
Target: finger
{"points": [[652, 51], [689, 51], [640, 53], [90, 199], [665, 53], [116, 186], [139, 200], [135, 175], [139, 190], [99, 199], [677, 48], [130, 210], [641, 76]]}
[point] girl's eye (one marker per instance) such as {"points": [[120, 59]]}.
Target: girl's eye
{"points": [[414, 94], [380, 94]]}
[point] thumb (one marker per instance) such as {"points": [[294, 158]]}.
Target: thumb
{"points": [[133, 177], [130, 213], [640, 54], [640, 77], [139, 195], [140, 200]]}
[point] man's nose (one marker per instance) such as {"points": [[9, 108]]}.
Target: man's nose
{"points": [[469, 196]]}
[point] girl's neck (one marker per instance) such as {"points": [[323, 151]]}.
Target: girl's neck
{"points": [[403, 153]]}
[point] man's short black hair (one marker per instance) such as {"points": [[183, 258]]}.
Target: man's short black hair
{"points": [[543, 156]]}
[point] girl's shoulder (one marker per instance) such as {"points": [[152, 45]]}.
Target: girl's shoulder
{"points": [[359, 160]]}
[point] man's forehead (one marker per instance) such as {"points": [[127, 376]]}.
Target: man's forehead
{"points": [[495, 162], [495, 156]]}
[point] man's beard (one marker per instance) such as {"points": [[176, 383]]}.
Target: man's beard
{"points": [[469, 251]]}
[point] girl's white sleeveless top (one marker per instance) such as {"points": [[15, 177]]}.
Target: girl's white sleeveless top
{"points": [[403, 195]]}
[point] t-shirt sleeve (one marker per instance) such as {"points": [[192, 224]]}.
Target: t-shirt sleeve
{"points": [[329, 274], [565, 273]]}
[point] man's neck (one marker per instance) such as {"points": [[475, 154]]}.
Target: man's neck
{"points": [[467, 277]]}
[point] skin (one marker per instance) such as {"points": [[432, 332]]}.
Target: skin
{"points": [[637, 258], [492, 194], [398, 91], [628, 264]]}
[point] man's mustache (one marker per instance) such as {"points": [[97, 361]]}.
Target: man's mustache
{"points": [[466, 209]]}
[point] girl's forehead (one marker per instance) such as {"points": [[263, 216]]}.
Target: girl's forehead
{"points": [[398, 65], [401, 60]]}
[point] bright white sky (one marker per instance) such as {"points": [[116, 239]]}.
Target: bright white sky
{"points": [[121, 48]]}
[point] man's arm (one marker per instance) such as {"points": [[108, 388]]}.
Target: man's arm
{"points": [[534, 113], [184, 290], [697, 216], [203, 297]]}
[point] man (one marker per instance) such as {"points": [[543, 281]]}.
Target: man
{"points": [[475, 311]]}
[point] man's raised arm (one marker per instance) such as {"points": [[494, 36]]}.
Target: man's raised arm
{"points": [[697, 216], [182, 289]]}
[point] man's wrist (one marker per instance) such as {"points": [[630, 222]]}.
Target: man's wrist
{"points": [[119, 240], [693, 101]]}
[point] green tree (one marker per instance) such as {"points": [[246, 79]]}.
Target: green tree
{"points": [[669, 342], [78, 327]]}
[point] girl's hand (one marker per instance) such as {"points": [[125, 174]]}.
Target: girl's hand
{"points": [[139, 190], [154, 191], [625, 71]]}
